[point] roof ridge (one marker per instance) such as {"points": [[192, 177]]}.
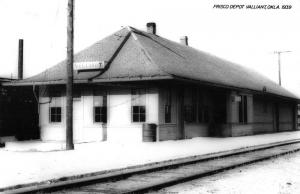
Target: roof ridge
{"points": [[163, 57], [146, 53], [147, 34], [112, 57]]}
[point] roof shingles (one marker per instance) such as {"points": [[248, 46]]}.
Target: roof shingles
{"points": [[148, 55]]}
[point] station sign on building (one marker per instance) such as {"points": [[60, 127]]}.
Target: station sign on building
{"points": [[89, 65]]}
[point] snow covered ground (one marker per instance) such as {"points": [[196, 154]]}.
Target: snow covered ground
{"points": [[277, 176], [20, 167]]}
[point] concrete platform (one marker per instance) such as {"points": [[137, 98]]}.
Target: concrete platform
{"points": [[34, 146], [31, 166], [160, 174], [157, 179]]}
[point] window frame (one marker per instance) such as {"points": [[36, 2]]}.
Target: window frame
{"points": [[139, 114], [168, 113], [197, 111], [102, 114], [168, 107], [203, 114], [102, 105], [190, 109], [138, 99], [57, 116], [55, 103], [243, 110], [190, 114]]}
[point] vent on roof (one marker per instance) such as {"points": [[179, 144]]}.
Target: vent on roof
{"points": [[184, 40], [151, 27]]}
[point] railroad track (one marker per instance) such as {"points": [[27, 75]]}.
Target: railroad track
{"points": [[162, 175]]}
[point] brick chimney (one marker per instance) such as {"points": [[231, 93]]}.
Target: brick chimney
{"points": [[184, 40], [20, 59], [151, 27]]}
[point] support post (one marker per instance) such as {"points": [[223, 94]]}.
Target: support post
{"points": [[279, 64], [279, 68], [20, 59], [69, 86]]}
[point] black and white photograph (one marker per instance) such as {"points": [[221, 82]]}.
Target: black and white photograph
{"points": [[150, 96]]}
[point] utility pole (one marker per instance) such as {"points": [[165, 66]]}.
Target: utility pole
{"points": [[20, 59], [69, 85], [279, 63]]}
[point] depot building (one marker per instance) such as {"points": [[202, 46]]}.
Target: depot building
{"points": [[132, 78]]}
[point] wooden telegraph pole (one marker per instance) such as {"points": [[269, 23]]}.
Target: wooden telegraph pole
{"points": [[69, 86], [20, 59], [279, 64]]}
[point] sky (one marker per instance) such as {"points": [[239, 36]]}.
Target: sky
{"points": [[245, 36]]}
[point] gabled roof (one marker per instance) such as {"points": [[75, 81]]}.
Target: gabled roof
{"points": [[133, 54]]}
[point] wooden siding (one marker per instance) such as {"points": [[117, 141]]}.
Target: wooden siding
{"points": [[172, 131], [234, 128], [168, 131], [286, 114], [119, 126], [263, 115]]}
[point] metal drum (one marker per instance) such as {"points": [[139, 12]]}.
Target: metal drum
{"points": [[149, 132]]}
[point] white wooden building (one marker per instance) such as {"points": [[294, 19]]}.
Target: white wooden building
{"points": [[134, 77]]}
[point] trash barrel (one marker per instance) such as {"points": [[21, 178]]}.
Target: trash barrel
{"points": [[149, 132]]}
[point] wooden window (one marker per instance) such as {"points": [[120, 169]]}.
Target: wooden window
{"points": [[168, 114], [188, 113], [203, 110], [100, 114], [190, 109], [203, 114], [55, 107], [55, 114], [243, 109], [138, 114], [138, 105], [100, 107]]}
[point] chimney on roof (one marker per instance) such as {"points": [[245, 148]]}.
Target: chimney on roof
{"points": [[184, 40], [20, 59], [151, 27]]}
